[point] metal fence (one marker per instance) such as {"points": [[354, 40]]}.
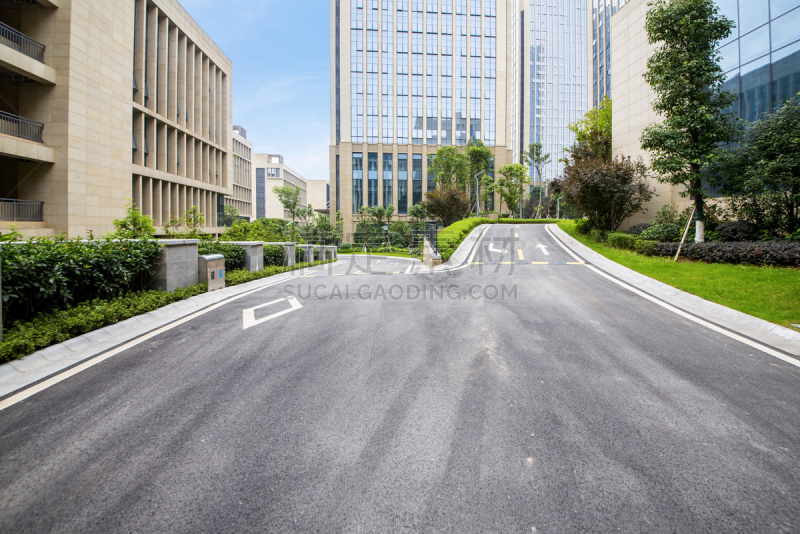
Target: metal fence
{"points": [[24, 128], [19, 41], [21, 210]]}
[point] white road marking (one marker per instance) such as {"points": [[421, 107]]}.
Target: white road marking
{"points": [[543, 248], [41, 386], [249, 315], [410, 267], [670, 307]]}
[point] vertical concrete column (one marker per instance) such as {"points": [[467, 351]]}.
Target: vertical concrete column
{"points": [[198, 92], [181, 154], [206, 91], [137, 191], [177, 265], [308, 253], [253, 254], [172, 152], [161, 136], [139, 41], [139, 135], [180, 99], [172, 74], [166, 201], [163, 58], [290, 255], [156, 193], [147, 197], [152, 57], [189, 110]]}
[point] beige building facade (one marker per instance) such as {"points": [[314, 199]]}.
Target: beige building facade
{"points": [[107, 102], [270, 172], [409, 77], [318, 194], [243, 175]]}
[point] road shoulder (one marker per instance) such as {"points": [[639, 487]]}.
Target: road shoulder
{"points": [[743, 324]]}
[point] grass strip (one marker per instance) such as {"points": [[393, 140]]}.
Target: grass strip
{"points": [[766, 292]]}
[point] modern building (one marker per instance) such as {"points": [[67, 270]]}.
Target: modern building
{"points": [[243, 175], [108, 101], [270, 172], [556, 78], [319, 195], [761, 59], [599, 49], [408, 77]]}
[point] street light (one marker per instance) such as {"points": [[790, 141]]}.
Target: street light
{"points": [[558, 208], [477, 194]]}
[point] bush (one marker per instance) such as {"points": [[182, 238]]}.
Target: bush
{"points": [[738, 231], [583, 226], [663, 233], [345, 247], [623, 241], [54, 327], [776, 253], [527, 221], [637, 229], [449, 238], [45, 275], [241, 276], [400, 233], [599, 235], [234, 254], [299, 254], [644, 247], [274, 255]]}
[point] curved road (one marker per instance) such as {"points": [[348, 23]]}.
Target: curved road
{"points": [[523, 393]]}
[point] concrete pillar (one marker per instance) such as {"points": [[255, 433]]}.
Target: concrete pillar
{"points": [[253, 254], [308, 253], [177, 266]]}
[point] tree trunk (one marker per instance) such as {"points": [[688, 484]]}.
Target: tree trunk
{"points": [[700, 228]]}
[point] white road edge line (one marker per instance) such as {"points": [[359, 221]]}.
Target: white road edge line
{"points": [[41, 386], [670, 307]]}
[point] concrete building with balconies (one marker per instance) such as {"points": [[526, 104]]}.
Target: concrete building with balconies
{"points": [[104, 102], [242, 187]]}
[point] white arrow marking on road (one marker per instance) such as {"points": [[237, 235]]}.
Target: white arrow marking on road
{"points": [[544, 249], [249, 315], [492, 249]]}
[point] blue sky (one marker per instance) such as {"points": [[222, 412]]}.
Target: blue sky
{"points": [[281, 84]]}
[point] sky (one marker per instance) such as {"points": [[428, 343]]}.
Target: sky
{"points": [[280, 51]]}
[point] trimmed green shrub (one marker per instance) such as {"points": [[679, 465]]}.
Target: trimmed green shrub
{"points": [[662, 233], [599, 235], [274, 255], [234, 254], [644, 247], [299, 254], [583, 226], [637, 229], [776, 253], [528, 221], [241, 276], [26, 337], [449, 238], [45, 275], [346, 247], [622, 241], [738, 231]]}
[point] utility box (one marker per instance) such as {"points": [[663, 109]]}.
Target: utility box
{"points": [[211, 271]]}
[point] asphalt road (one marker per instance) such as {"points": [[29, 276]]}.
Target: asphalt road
{"points": [[506, 396]]}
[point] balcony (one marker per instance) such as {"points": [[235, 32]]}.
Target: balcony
{"points": [[22, 43], [21, 210], [20, 127]]}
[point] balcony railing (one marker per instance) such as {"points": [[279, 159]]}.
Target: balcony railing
{"points": [[20, 210], [19, 41], [24, 128]]}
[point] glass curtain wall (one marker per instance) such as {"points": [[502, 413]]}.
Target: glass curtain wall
{"points": [[387, 180], [416, 176], [402, 184], [358, 182], [429, 178], [372, 179]]}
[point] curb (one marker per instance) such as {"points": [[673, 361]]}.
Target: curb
{"points": [[757, 329], [19, 374]]}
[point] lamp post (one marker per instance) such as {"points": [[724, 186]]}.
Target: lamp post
{"points": [[477, 194], [558, 207]]}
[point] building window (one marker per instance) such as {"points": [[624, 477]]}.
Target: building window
{"points": [[358, 182], [387, 180], [416, 176], [372, 179], [402, 184]]}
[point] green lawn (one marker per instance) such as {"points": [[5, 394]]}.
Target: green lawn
{"points": [[770, 293]]}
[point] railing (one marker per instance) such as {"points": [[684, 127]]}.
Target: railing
{"points": [[24, 128], [20, 210], [19, 41]]}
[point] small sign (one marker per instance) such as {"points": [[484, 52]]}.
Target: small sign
{"points": [[212, 275], [220, 274]]}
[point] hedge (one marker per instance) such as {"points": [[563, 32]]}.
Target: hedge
{"points": [[45, 275], [274, 255], [449, 238], [241, 276], [776, 253], [46, 329], [234, 254], [528, 221]]}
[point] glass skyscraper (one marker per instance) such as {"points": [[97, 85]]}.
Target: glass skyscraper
{"points": [[558, 74]]}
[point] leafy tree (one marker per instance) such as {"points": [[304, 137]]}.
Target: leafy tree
{"points": [[194, 221], [450, 166], [418, 216], [511, 184], [606, 191], [592, 134], [381, 214], [267, 230], [231, 215], [364, 228], [480, 160], [447, 204], [339, 224], [400, 233], [134, 225], [685, 74], [538, 159], [761, 174], [173, 227], [289, 197]]}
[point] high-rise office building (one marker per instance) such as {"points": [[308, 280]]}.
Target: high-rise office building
{"points": [[103, 101], [408, 77], [761, 59], [558, 77]]}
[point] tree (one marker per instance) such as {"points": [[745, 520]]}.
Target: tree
{"points": [[511, 185], [289, 197], [480, 160], [685, 74], [447, 204], [592, 134], [134, 225], [761, 174], [606, 191], [339, 224], [450, 166], [538, 160], [418, 216], [379, 213], [194, 221], [231, 215]]}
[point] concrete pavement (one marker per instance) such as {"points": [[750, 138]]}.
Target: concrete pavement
{"points": [[524, 391]]}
